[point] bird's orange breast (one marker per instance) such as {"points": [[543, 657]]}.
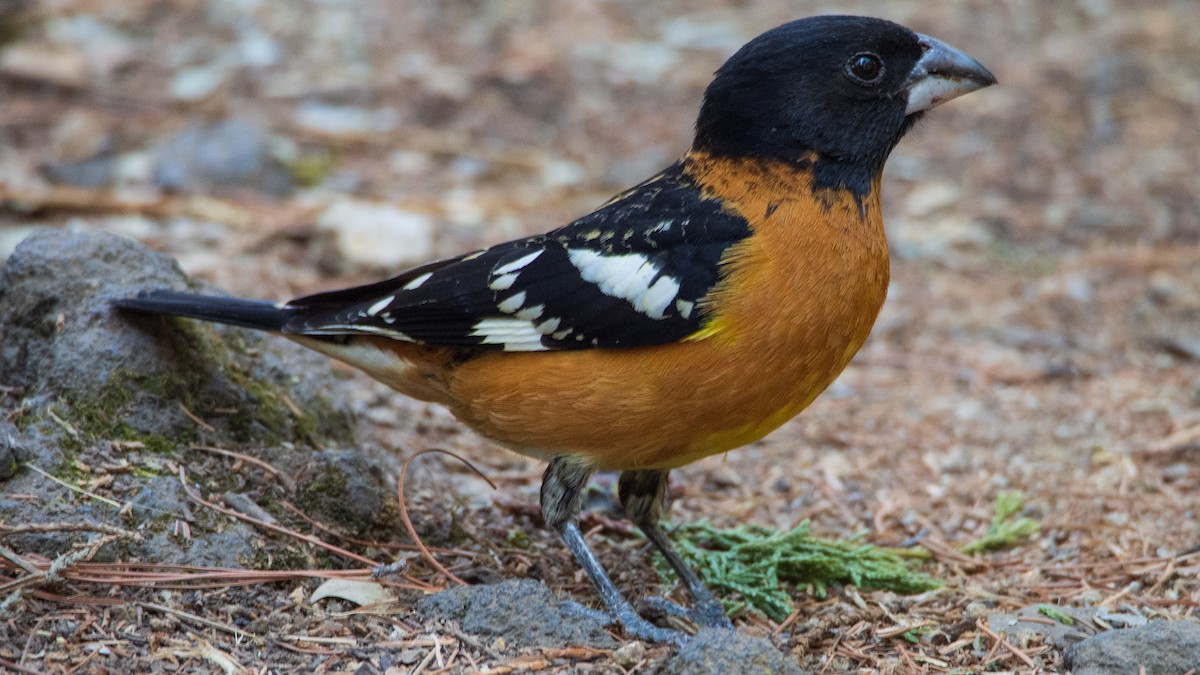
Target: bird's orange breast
{"points": [[798, 300]]}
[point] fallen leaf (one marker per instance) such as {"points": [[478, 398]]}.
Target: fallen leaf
{"points": [[359, 592]]}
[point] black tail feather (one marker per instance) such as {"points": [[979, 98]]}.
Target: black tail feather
{"points": [[256, 314]]}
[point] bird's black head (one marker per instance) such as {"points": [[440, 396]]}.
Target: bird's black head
{"points": [[843, 87]]}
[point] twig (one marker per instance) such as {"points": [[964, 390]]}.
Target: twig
{"points": [[17, 560], [471, 641], [199, 422], [412, 531], [434, 651], [384, 545], [1164, 577], [981, 624], [54, 572], [274, 528], [41, 528], [233, 630], [17, 668], [1129, 588], [83, 663], [74, 488], [287, 480], [66, 426]]}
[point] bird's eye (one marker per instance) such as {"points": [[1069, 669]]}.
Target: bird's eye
{"points": [[865, 68]]}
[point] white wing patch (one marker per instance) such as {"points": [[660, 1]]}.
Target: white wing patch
{"points": [[518, 264], [516, 335], [629, 276], [378, 307], [504, 276], [351, 328], [503, 282], [416, 283], [685, 308], [512, 304], [531, 313]]}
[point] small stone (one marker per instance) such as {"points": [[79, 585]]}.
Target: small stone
{"points": [[629, 655], [231, 154], [345, 120], [10, 449], [94, 173], [932, 197], [376, 234], [522, 612], [105, 49], [717, 650], [79, 135], [561, 173], [193, 84], [409, 657]]}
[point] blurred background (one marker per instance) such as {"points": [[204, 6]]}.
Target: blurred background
{"points": [[1041, 332], [479, 121]]}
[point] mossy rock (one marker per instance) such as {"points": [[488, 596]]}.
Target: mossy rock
{"points": [[99, 382]]}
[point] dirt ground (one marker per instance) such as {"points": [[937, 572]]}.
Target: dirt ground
{"points": [[1042, 331]]}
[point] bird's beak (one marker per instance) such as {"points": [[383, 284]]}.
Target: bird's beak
{"points": [[943, 73]]}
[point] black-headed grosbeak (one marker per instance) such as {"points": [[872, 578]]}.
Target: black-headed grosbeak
{"points": [[687, 316]]}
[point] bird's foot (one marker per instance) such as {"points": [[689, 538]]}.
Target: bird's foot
{"points": [[707, 614], [577, 610], [631, 623]]}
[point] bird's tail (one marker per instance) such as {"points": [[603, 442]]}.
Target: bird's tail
{"points": [[256, 314]]}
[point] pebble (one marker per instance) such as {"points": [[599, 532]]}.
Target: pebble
{"points": [[629, 655], [230, 154], [343, 120], [197, 82], [377, 235]]}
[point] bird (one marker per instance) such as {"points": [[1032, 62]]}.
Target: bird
{"points": [[688, 316]]}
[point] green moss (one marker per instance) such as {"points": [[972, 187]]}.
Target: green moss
{"points": [[1006, 529], [1055, 613], [68, 470], [212, 376], [103, 416], [311, 168], [10, 30], [518, 539], [326, 496]]}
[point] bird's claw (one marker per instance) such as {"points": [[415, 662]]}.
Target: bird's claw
{"points": [[711, 615], [630, 622]]}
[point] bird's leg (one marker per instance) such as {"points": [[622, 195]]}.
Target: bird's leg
{"points": [[643, 495], [562, 487]]}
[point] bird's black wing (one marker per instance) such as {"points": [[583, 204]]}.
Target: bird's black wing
{"points": [[632, 273]]}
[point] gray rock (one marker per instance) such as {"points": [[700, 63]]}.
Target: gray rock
{"points": [[92, 375], [715, 650], [1159, 647], [523, 612], [11, 449], [231, 154]]}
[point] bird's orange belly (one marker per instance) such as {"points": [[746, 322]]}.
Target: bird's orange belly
{"points": [[651, 407]]}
